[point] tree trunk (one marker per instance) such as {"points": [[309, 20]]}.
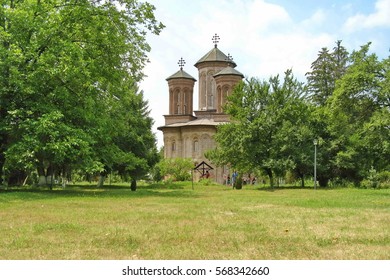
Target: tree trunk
{"points": [[2, 162], [50, 175], [100, 183], [133, 185], [271, 177], [302, 180], [42, 179], [64, 180], [323, 181]]}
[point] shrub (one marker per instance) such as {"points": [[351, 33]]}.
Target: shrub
{"points": [[205, 182], [238, 182], [179, 169]]}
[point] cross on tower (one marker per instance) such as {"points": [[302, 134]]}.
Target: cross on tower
{"points": [[181, 63], [229, 59], [216, 39]]}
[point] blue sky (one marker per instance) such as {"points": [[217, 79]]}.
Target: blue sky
{"points": [[265, 37]]}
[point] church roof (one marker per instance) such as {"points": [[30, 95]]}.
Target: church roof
{"points": [[181, 74], [214, 55], [229, 71], [197, 122]]}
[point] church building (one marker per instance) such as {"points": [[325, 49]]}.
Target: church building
{"points": [[189, 133]]}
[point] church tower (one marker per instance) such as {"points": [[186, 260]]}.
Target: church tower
{"points": [[189, 133], [225, 80], [181, 92], [209, 65]]}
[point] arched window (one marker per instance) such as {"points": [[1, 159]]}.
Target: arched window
{"points": [[176, 101], [204, 96], [196, 146], [210, 90], [184, 102], [225, 93], [219, 99], [173, 146]]}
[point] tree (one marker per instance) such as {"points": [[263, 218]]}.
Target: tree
{"points": [[359, 113], [325, 71], [64, 66], [134, 138], [267, 125]]}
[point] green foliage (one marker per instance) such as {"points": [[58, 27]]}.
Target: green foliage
{"points": [[238, 182], [325, 71], [358, 117], [68, 86], [268, 129], [376, 179], [179, 169], [274, 122], [205, 182]]}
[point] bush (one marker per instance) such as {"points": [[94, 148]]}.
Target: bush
{"points": [[376, 179], [205, 182], [179, 169], [238, 182], [384, 178]]}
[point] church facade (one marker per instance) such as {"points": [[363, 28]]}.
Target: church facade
{"points": [[189, 133]]}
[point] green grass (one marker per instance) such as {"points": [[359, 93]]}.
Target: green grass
{"points": [[210, 222]]}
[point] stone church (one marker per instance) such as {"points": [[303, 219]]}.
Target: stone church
{"points": [[189, 133]]}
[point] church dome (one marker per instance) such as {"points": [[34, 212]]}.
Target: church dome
{"points": [[181, 74], [229, 71], [214, 55]]}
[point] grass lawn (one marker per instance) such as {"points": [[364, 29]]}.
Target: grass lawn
{"points": [[210, 222]]}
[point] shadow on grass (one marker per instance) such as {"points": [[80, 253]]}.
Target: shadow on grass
{"points": [[90, 191], [273, 189]]}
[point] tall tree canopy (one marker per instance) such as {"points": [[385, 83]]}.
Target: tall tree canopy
{"points": [[69, 72], [325, 71], [358, 116], [269, 127]]}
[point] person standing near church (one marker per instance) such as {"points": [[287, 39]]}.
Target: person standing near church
{"points": [[234, 178]]}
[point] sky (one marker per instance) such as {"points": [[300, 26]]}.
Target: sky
{"points": [[264, 37]]}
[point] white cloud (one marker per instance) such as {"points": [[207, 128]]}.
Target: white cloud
{"points": [[318, 18], [380, 18]]}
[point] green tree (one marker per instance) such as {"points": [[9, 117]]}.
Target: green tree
{"points": [[359, 116], [134, 139], [325, 71], [64, 66], [265, 127]]}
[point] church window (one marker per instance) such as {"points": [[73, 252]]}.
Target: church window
{"points": [[204, 96], [210, 88], [173, 146], [185, 102], [196, 146], [178, 103]]}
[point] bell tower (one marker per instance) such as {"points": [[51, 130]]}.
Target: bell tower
{"points": [[181, 91], [225, 81], [209, 65]]}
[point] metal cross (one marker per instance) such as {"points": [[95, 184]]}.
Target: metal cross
{"points": [[216, 39], [181, 63], [229, 59]]}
